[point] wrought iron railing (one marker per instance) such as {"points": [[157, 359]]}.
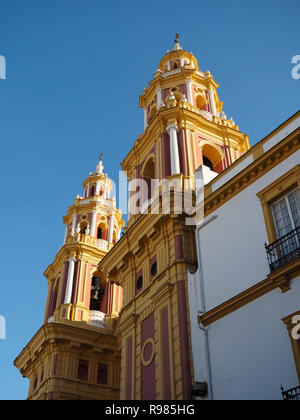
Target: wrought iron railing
{"points": [[284, 250], [291, 394]]}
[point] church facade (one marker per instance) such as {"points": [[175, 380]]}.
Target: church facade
{"points": [[122, 313]]}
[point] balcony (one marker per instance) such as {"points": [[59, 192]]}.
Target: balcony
{"points": [[89, 240], [284, 250], [292, 394]]}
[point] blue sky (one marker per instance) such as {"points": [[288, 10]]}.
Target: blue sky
{"points": [[75, 69]]}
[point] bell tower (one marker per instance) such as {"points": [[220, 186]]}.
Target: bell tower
{"points": [[184, 127], [75, 353]]}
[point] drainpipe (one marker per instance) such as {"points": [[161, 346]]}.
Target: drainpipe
{"points": [[202, 307]]}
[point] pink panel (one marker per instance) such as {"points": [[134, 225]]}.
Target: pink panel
{"points": [[179, 247], [129, 369], [65, 277], [82, 283], [184, 340], [166, 354]]}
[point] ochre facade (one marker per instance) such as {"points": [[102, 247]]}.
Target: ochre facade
{"points": [[117, 321]]}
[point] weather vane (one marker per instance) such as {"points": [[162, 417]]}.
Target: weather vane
{"points": [[100, 157], [176, 40]]}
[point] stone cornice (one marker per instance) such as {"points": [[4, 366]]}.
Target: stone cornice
{"points": [[67, 334]]}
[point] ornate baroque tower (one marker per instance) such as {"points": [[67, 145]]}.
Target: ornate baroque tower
{"points": [[75, 353], [185, 127]]}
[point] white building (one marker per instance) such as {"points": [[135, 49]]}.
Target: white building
{"points": [[243, 297]]}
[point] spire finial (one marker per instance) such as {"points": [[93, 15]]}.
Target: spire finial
{"points": [[100, 164], [176, 45]]}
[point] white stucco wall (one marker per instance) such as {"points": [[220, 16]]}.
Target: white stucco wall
{"points": [[232, 245], [249, 350]]}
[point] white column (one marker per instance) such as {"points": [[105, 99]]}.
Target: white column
{"points": [[97, 187], [88, 190], [111, 226], [174, 153], [181, 62], [188, 83], [69, 288], [93, 223], [106, 192], [158, 98], [168, 65], [212, 102], [73, 224], [145, 118]]}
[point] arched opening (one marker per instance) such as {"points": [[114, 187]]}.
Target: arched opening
{"points": [[102, 231], [97, 293], [99, 233], [83, 227], [53, 301], [148, 175], [212, 158], [175, 66], [208, 163], [92, 190]]}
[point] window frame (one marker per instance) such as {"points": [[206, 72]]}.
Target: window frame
{"points": [[286, 198], [273, 193]]}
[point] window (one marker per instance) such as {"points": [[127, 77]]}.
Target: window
{"points": [[92, 192], [99, 233], [96, 294], [286, 213], [139, 283], [153, 269], [281, 205], [281, 208], [102, 374], [83, 370]]}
